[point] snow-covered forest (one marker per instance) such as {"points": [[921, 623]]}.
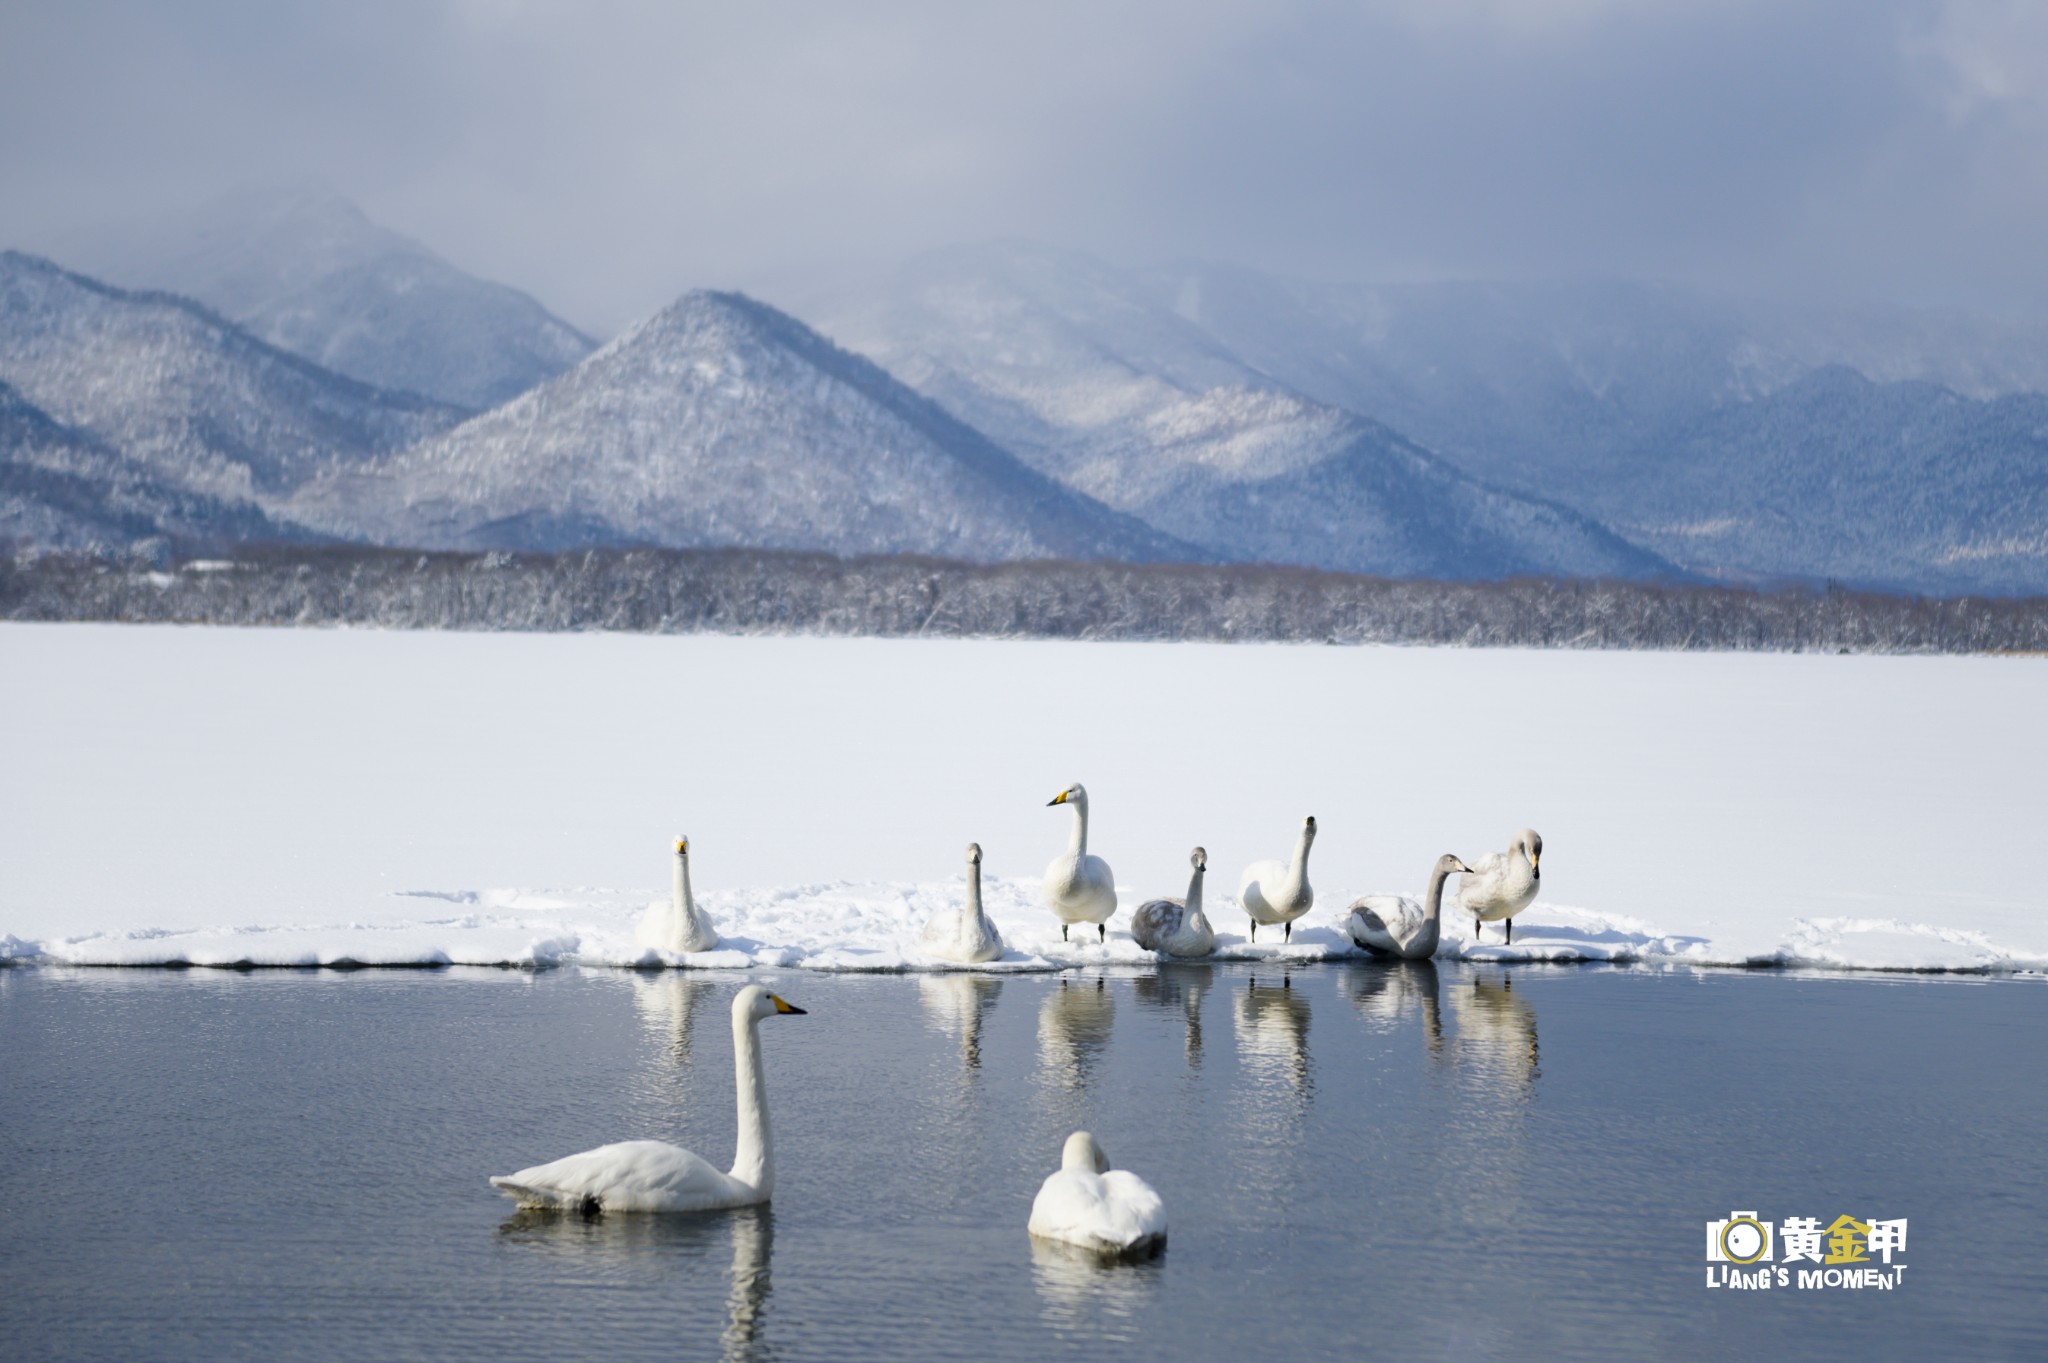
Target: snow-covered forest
{"points": [[761, 592]]}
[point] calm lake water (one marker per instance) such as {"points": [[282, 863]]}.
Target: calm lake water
{"points": [[1356, 1160]]}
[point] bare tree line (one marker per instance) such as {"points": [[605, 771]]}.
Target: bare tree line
{"points": [[744, 591]]}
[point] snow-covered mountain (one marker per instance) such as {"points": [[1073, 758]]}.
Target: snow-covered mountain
{"points": [[304, 269], [1077, 368], [720, 421], [1655, 414], [155, 394], [62, 489]]}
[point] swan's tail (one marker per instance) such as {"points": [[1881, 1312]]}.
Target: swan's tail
{"points": [[529, 1196]]}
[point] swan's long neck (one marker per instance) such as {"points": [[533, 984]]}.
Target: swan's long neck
{"points": [[1426, 936], [1077, 841], [1297, 869], [1194, 912], [685, 905], [972, 913], [754, 1162]]}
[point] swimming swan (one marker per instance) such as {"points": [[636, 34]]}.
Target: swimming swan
{"points": [[653, 1176], [1503, 883], [1078, 887], [1087, 1203], [965, 934], [1177, 927], [679, 925], [1395, 925], [1278, 891]]}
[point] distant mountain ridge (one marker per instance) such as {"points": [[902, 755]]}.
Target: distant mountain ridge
{"points": [[185, 396], [720, 421], [1575, 397], [303, 268]]}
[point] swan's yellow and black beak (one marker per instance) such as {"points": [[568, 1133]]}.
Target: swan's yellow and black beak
{"points": [[682, 844], [1058, 799], [782, 1005]]}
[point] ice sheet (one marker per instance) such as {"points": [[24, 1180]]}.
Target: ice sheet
{"points": [[315, 797]]}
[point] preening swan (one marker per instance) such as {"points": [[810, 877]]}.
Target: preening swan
{"points": [[679, 925], [653, 1176], [1087, 1203], [1503, 883], [1078, 887], [964, 935], [1395, 925], [1177, 927], [1278, 891]]}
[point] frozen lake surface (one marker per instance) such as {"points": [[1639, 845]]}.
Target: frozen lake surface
{"points": [[302, 797], [1463, 1161]]}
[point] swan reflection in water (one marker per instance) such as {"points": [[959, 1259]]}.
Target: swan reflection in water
{"points": [[1089, 1294], [1073, 1031], [1272, 1032], [641, 1237], [1497, 1034], [1179, 986], [1386, 993], [956, 1003], [667, 1003]]}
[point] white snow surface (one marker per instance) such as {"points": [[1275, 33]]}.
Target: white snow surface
{"points": [[303, 798]]}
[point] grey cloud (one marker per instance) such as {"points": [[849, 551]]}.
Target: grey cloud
{"points": [[606, 155]]}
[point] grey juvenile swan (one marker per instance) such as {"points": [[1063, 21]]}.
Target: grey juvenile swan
{"points": [[1395, 925], [964, 935], [1177, 927]]}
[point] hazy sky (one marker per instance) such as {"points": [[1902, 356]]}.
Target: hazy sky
{"points": [[607, 154]]}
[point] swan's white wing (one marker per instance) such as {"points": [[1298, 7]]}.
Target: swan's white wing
{"points": [[1251, 887], [1384, 921], [629, 1176], [654, 926], [1479, 886], [1114, 1211], [1156, 921]]}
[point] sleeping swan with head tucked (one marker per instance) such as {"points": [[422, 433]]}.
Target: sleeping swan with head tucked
{"points": [[653, 1176], [1089, 1204]]}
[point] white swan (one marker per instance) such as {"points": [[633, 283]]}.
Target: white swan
{"points": [[1078, 887], [1503, 883], [1395, 925], [1177, 927], [1087, 1203], [679, 925], [964, 935], [653, 1176], [1278, 891]]}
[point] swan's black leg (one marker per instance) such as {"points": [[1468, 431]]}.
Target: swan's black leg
{"points": [[1476, 938], [1063, 932], [1511, 932], [1102, 933], [1288, 935], [1255, 929]]}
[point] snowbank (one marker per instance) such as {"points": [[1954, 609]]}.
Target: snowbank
{"points": [[324, 797]]}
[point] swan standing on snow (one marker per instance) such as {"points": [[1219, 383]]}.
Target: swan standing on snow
{"points": [[653, 1176], [1177, 927], [967, 935], [679, 925], [1078, 887], [1395, 925], [1278, 891], [1087, 1203], [1503, 883]]}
